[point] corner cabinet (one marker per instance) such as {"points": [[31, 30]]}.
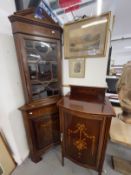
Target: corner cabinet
{"points": [[38, 46]]}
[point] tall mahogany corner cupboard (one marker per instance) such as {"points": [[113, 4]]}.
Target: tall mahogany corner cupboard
{"points": [[38, 46]]}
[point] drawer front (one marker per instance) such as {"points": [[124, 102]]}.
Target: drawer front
{"points": [[82, 138], [37, 30], [46, 130], [44, 110]]}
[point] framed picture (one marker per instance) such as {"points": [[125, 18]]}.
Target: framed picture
{"points": [[87, 37], [77, 68], [7, 165], [1, 170]]}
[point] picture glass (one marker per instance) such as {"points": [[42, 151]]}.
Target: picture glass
{"points": [[86, 38], [77, 68]]}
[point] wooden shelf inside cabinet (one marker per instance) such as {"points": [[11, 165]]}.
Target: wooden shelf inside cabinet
{"points": [[37, 81], [38, 47]]}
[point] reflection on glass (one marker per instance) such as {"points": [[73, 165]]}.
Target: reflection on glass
{"points": [[39, 91], [54, 70], [42, 47], [42, 65], [44, 90], [53, 89], [33, 71], [44, 71], [29, 44], [46, 50], [32, 55], [41, 50]]}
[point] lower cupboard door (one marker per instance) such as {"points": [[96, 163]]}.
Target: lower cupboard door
{"points": [[82, 139], [46, 130]]}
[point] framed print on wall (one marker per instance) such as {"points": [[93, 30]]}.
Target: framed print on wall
{"points": [[77, 68], [87, 37]]}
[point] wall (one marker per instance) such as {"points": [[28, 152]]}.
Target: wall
{"points": [[121, 51], [11, 94], [95, 71], [122, 23], [26, 3]]}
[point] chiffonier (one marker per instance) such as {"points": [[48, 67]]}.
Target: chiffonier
{"points": [[38, 46], [85, 118]]}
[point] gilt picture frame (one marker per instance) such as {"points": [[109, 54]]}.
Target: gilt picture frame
{"points": [[87, 37], [77, 68]]}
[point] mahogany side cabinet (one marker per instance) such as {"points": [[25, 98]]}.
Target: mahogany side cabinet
{"points": [[84, 126], [38, 47]]}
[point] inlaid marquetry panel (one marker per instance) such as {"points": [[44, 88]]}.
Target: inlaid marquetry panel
{"points": [[82, 136], [46, 130]]}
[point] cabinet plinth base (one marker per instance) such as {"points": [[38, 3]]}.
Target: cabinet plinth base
{"points": [[36, 159]]}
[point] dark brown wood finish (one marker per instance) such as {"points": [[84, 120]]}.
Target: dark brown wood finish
{"points": [[42, 126], [84, 130], [23, 61], [40, 114], [88, 93]]}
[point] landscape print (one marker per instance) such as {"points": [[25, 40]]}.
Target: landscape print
{"points": [[87, 41]]}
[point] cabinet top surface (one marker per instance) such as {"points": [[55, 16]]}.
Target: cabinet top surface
{"points": [[87, 107], [40, 103]]}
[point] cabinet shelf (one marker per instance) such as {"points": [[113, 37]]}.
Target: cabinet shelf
{"points": [[43, 82], [36, 62]]}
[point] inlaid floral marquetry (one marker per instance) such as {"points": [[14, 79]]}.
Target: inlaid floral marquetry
{"points": [[81, 142]]}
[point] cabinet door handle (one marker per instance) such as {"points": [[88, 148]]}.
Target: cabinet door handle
{"points": [[53, 32], [30, 113]]}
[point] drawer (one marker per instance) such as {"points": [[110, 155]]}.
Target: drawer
{"points": [[44, 110], [37, 30]]}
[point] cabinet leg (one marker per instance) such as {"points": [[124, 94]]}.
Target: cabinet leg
{"points": [[36, 159], [100, 173], [62, 161]]}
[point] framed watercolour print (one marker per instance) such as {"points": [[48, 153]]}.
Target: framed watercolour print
{"points": [[87, 37], [77, 68]]}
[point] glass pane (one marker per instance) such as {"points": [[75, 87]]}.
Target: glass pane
{"points": [[54, 70], [44, 90], [47, 51], [39, 91], [44, 71], [53, 89], [43, 68], [33, 71], [32, 55], [29, 44], [40, 50]]}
